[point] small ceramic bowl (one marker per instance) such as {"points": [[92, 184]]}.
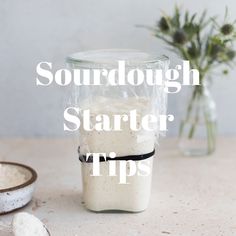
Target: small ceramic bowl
{"points": [[16, 197]]}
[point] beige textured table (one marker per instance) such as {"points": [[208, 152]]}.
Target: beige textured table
{"points": [[190, 196]]}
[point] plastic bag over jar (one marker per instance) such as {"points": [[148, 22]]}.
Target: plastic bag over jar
{"points": [[108, 191]]}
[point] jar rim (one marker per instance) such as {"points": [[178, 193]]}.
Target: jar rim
{"points": [[110, 57]]}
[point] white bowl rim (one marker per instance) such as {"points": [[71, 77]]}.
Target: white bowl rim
{"points": [[26, 183]]}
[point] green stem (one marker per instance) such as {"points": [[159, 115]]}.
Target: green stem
{"points": [[196, 120], [210, 134], [195, 95]]}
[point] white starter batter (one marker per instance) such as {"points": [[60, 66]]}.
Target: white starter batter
{"points": [[104, 192]]}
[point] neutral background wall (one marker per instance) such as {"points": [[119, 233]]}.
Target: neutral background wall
{"points": [[34, 31]]}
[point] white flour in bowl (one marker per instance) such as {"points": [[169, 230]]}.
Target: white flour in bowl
{"points": [[10, 176]]}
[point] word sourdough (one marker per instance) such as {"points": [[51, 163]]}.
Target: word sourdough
{"points": [[119, 76]]}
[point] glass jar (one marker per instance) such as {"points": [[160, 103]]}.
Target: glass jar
{"points": [[106, 192], [197, 134]]}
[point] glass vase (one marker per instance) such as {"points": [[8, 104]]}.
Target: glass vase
{"points": [[197, 133]]}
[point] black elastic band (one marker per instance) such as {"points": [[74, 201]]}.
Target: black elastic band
{"points": [[82, 158]]}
